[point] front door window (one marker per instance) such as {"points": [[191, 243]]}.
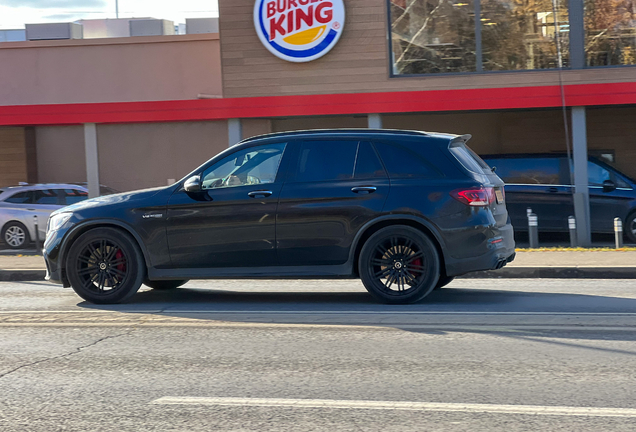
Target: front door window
{"points": [[252, 166]]}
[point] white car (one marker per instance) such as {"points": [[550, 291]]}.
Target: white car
{"points": [[19, 205]]}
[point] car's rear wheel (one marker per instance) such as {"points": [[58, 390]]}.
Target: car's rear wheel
{"points": [[15, 235], [105, 266], [399, 264], [165, 285]]}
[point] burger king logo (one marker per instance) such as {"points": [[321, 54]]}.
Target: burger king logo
{"points": [[299, 30]]}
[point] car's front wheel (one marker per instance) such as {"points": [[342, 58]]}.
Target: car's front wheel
{"points": [[399, 264], [105, 266], [164, 285], [15, 235]]}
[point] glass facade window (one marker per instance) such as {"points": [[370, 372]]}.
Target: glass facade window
{"points": [[610, 32], [432, 36], [443, 36], [518, 35]]}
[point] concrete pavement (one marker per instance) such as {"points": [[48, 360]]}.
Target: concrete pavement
{"points": [[592, 264], [483, 355]]}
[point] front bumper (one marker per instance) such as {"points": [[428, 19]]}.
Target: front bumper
{"points": [[52, 255]]}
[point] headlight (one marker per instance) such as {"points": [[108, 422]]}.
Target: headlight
{"points": [[56, 222]]}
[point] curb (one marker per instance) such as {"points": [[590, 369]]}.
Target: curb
{"points": [[556, 273], [22, 275]]}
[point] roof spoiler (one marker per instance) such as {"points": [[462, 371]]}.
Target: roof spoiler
{"points": [[463, 139]]}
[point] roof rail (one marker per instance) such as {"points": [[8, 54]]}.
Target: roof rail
{"points": [[351, 131]]}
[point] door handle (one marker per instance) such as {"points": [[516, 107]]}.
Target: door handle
{"points": [[364, 189], [553, 190], [263, 193]]}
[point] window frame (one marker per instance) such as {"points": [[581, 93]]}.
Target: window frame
{"points": [[576, 51], [221, 157]]}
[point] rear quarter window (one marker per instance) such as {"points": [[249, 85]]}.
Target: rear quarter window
{"points": [[402, 162]]}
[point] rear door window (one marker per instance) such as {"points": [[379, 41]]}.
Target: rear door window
{"points": [[401, 162], [320, 161], [48, 197], [368, 166]]}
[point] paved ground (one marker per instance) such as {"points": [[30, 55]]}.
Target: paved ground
{"points": [[523, 259], [484, 355]]}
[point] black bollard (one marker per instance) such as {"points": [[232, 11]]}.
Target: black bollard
{"points": [[533, 230]]}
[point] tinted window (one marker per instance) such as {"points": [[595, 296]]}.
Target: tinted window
{"points": [[528, 170], [596, 174], [20, 198], [469, 159], [251, 166], [48, 197], [367, 163], [403, 163], [326, 161], [73, 196]]}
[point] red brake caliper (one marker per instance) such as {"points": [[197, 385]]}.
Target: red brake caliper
{"points": [[418, 263], [119, 256]]}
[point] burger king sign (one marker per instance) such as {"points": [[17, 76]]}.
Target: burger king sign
{"points": [[299, 30]]}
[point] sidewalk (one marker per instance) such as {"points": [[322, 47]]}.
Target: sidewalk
{"points": [[595, 265]]}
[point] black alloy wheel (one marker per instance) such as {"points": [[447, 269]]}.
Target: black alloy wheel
{"points": [[399, 264], [105, 266], [164, 285], [15, 235]]}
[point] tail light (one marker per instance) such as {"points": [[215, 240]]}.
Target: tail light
{"points": [[476, 197]]}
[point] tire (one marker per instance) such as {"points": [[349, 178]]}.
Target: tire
{"points": [[164, 285], [399, 265], [443, 281], [15, 235], [105, 266], [629, 227]]}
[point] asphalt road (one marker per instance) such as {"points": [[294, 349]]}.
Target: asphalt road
{"points": [[483, 355]]}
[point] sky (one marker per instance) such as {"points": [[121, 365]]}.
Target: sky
{"points": [[15, 13]]}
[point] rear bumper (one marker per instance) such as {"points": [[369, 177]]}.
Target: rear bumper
{"points": [[500, 250]]}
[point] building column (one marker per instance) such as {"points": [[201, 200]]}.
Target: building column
{"points": [[375, 121], [92, 159], [234, 131], [581, 182]]}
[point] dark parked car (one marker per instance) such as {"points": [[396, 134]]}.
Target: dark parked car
{"points": [[403, 211], [542, 182]]}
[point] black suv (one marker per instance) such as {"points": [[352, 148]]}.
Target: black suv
{"points": [[403, 211], [542, 182]]}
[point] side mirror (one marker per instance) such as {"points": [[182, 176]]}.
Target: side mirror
{"points": [[609, 186], [193, 184]]}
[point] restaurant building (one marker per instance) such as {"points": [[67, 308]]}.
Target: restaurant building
{"points": [[523, 76]]}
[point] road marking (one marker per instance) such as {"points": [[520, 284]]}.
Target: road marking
{"points": [[405, 406]]}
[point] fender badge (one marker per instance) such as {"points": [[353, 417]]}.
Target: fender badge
{"points": [[153, 216]]}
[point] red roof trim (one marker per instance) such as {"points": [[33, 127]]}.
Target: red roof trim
{"points": [[313, 105]]}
